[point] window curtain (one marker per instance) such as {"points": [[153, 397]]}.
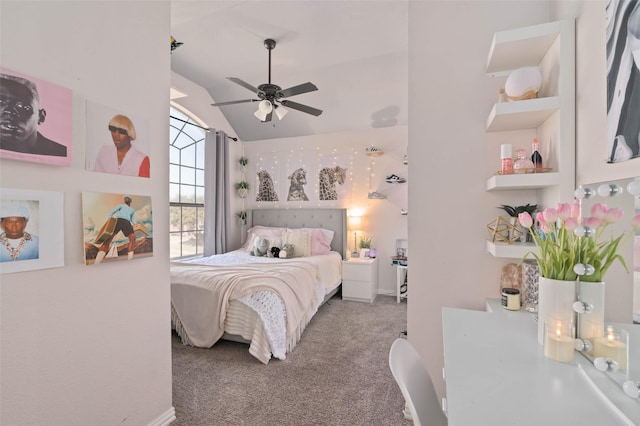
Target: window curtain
{"points": [[216, 193]]}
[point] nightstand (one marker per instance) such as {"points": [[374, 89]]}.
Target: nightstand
{"points": [[360, 280]]}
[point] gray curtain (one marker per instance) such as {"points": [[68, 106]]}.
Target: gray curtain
{"points": [[216, 192]]}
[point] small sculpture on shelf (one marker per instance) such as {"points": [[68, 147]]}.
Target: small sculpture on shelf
{"points": [[523, 83]]}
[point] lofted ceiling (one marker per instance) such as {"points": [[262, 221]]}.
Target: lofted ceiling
{"points": [[355, 52]]}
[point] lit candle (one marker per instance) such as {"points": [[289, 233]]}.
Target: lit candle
{"points": [[613, 346], [558, 343]]}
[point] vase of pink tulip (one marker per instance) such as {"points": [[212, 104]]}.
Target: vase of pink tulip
{"points": [[570, 249]]}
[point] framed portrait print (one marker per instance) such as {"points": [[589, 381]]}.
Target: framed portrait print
{"points": [[32, 230]]}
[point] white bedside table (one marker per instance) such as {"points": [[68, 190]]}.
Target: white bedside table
{"points": [[360, 280]]}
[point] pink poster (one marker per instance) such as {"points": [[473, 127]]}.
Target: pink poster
{"points": [[35, 120]]}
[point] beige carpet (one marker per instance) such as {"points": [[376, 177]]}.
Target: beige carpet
{"points": [[337, 375]]}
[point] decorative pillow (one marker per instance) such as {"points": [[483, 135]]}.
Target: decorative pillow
{"points": [[267, 232], [320, 240], [301, 240]]}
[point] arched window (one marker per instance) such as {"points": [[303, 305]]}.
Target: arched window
{"points": [[186, 186]]}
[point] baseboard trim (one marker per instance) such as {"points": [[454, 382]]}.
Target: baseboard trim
{"points": [[165, 419], [387, 292]]}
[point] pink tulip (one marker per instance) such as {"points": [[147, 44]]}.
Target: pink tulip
{"points": [[614, 215], [550, 215], [525, 219], [592, 222], [564, 211], [575, 209], [545, 227], [540, 217], [571, 224], [599, 210], [636, 222]]}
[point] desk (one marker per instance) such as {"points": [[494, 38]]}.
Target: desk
{"points": [[497, 374]]}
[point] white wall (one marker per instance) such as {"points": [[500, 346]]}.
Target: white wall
{"points": [[90, 345], [457, 271], [451, 98]]}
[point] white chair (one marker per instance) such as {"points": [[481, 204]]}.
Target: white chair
{"points": [[416, 385]]}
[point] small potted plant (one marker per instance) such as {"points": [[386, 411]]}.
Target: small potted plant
{"points": [[242, 216], [365, 245], [513, 212], [243, 188], [243, 162]]}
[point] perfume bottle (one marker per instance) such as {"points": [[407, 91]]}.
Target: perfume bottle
{"points": [[506, 159], [536, 158], [522, 164]]}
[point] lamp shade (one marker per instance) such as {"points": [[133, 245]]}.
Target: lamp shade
{"points": [[264, 108], [281, 112], [355, 222]]}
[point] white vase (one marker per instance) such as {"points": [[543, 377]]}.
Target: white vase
{"points": [[555, 302], [591, 324]]}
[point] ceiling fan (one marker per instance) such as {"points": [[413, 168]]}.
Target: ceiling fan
{"points": [[271, 96]]}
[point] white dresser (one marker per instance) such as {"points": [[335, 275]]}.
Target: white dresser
{"points": [[497, 374], [360, 279]]}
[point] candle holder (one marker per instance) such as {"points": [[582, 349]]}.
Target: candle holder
{"points": [[559, 342], [614, 345]]}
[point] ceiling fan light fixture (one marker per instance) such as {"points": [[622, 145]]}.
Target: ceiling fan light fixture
{"points": [[281, 112], [264, 108]]}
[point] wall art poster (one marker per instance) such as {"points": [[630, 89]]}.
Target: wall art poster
{"points": [[331, 179], [32, 234], [267, 177], [297, 182], [35, 120], [623, 80], [117, 142], [116, 227]]}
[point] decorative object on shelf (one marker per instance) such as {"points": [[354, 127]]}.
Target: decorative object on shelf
{"points": [[523, 83], [373, 253], [394, 179], [527, 171], [243, 188], [372, 151], [519, 233], [522, 163], [530, 276], [511, 277], [558, 340], [502, 230], [614, 345], [375, 195], [506, 159], [536, 158], [510, 299]]}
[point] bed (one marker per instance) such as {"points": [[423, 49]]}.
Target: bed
{"points": [[265, 302]]}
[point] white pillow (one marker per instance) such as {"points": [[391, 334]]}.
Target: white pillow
{"points": [[267, 232], [326, 233], [301, 241]]}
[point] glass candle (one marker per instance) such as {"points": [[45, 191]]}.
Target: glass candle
{"points": [[558, 340], [613, 345]]}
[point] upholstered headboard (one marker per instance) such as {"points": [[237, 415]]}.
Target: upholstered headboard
{"points": [[333, 219]]}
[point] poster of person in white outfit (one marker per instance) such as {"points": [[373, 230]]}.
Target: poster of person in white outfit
{"points": [[623, 80], [117, 142]]}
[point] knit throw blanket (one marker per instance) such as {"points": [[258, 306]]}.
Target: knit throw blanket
{"points": [[200, 295]]}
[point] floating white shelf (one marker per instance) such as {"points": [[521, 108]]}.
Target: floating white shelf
{"points": [[521, 47], [513, 250], [518, 115], [522, 181]]}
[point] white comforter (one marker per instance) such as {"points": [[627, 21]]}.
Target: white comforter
{"points": [[201, 295]]}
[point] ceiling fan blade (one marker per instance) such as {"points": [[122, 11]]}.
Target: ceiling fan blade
{"points": [[297, 90], [300, 107], [245, 84], [234, 102]]}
